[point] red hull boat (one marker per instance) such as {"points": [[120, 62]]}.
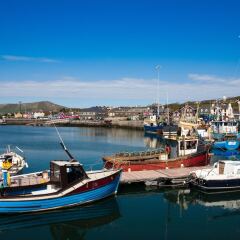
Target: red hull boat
{"points": [[188, 152]]}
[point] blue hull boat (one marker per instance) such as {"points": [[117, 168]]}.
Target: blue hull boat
{"points": [[69, 185], [153, 129], [228, 145], [227, 153]]}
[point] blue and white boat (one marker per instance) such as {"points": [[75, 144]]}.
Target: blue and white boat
{"points": [[227, 143], [226, 135], [221, 128], [151, 125], [68, 185]]}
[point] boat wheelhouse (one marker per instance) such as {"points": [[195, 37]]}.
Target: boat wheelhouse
{"points": [[224, 127]]}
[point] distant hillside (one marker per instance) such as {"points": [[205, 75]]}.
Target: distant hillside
{"points": [[205, 103], [30, 107]]}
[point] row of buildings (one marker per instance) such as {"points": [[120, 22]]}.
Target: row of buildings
{"points": [[135, 113]]}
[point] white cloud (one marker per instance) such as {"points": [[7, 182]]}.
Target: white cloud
{"points": [[14, 58], [205, 78], [212, 79], [121, 90]]}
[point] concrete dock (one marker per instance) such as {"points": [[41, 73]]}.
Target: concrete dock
{"points": [[151, 175]]}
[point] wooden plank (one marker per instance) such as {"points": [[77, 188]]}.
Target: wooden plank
{"points": [[148, 175]]}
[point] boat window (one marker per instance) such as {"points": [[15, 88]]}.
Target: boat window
{"points": [[74, 173], [238, 172], [56, 172], [181, 145], [191, 144]]}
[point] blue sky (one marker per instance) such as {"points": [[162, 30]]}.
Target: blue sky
{"points": [[85, 53]]}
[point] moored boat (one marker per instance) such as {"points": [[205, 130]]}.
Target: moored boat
{"points": [[223, 176], [152, 125], [226, 135], [187, 153], [12, 162], [68, 185], [228, 142]]}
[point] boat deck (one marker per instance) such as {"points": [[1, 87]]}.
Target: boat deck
{"points": [[151, 175], [20, 182]]}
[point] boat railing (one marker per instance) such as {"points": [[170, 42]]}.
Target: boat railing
{"points": [[93, 167], [139, 153]]}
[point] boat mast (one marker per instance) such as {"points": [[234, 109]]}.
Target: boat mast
{"points": [[167, 109], [158, 69], [238, 102], [72, 159], [197, 113]]}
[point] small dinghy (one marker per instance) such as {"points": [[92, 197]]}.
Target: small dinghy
{"points": [[223, 176]]}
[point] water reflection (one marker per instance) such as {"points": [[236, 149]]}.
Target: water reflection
{"points": [[153, 141], [186, 197], [69, 224]]}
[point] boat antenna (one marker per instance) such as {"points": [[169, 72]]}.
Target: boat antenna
{"points": [[72, 159]]}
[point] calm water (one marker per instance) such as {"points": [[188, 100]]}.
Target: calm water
{"points": [[136, 213]]}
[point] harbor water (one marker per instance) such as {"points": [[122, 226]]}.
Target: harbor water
{"points": [[137, 212]]}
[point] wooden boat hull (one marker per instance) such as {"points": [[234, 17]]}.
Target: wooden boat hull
{"points": [[198, 159], [77, 194]]}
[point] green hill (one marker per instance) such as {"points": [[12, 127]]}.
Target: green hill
{"points": [[30, 107]]}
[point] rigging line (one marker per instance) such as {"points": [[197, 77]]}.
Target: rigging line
{"points": [[59, 136]]}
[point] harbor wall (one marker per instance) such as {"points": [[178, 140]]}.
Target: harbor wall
{"points": [[117, 123]]}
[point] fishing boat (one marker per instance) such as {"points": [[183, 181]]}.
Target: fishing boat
{"points": [[152, 125], [12, 162], [187, 152], [225, 134], [66, 184], [228, 142], [221, 128], [223, 176]]}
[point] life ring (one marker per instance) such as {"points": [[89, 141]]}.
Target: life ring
{"points": [[168, 149]]}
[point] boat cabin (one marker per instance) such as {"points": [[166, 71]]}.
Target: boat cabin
{"points": [[63, 173], [223, 127], [227, 167], [187, 146]]}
